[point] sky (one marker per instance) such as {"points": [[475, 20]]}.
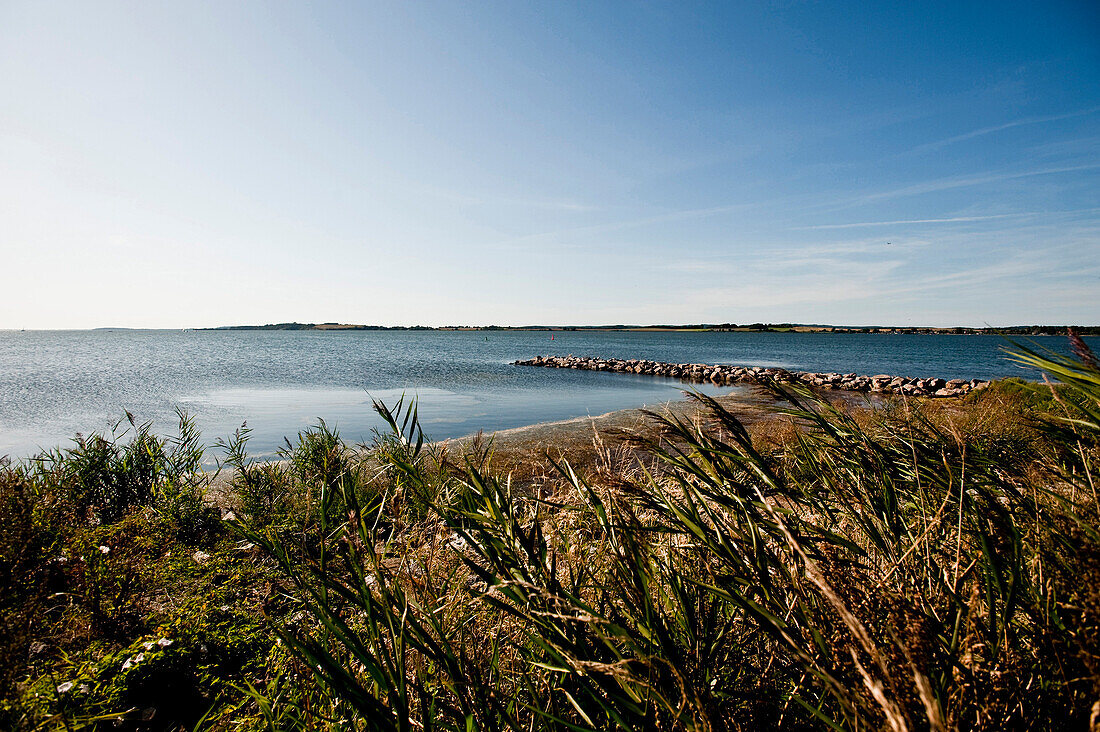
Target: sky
{"points": [[194, 164]]}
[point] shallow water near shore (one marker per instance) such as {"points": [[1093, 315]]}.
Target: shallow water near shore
{"points": [[54, 384]]}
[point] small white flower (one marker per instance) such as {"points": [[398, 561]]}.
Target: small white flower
{"points": [[83, 688], [148, 646], [164, 642], [104, 549], [128, 664], [64, 688], [229, 516], [139, 658]]}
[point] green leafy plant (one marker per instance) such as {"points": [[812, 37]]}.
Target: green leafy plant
{"points": [[915, 566], [893, 573]]}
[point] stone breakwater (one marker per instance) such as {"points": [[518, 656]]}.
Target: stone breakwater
{"points": [[729, 375]]}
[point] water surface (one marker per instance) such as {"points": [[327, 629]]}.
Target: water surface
{"points": [[54, 384]]}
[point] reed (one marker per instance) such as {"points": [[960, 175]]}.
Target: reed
{"points": [[916, 566], [895, 574]]}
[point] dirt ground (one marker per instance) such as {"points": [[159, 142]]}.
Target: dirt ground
{"points": [[592, 443], [589, 442]]}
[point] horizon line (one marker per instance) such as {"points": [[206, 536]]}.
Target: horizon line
{"points": [[334, 326]]}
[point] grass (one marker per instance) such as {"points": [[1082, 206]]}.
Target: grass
{"points": [[922, 565]]}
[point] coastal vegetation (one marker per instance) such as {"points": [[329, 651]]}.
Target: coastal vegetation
{"points": [[919, 565]]}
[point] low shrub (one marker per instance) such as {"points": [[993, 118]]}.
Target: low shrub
{"points": [[888, 573], [922, 565]]}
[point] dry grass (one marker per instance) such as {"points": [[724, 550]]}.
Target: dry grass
{"points": [[899, 565], [900, 568]]}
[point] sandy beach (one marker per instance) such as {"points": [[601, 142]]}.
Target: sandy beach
{"points": [[586, 442]]}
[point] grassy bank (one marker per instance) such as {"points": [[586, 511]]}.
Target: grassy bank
{"points": [[915, 566]]}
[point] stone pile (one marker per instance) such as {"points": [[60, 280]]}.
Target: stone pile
{"points": [[729, 375]]}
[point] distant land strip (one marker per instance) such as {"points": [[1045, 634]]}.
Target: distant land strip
{"points": [[1020, 330]]}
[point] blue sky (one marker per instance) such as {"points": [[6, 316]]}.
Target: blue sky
{"points": [[196, 164]]}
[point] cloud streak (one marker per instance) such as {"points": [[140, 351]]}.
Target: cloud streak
{"points": [[900, 222], [944, 220], [474, 199], [682, 215], [951, 183], [981, 132]]}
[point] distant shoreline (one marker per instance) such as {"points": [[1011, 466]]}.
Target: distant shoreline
{"points": [[1018, 330]]}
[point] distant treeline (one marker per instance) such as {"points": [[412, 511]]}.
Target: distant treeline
{"points": [[317, 326], [1033, 330], [1017, 330]]}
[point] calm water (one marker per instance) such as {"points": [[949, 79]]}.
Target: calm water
{"points": [[54, 384]]}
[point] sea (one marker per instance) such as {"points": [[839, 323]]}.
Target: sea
{"points": [[56, 384]]}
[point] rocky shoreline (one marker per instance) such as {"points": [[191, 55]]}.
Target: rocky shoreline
{"points": [[726, 374]]}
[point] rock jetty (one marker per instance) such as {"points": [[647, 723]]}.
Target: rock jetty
{"points": [[728, 375]]}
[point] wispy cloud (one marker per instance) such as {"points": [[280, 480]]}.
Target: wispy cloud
{"points": [[897, 222], [836, 282], [493, 200], [980, 132], [857, 275], [946, 220], [681, 215], [950, 183]]}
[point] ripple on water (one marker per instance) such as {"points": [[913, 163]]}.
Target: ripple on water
{"points": [[56, 383]]}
